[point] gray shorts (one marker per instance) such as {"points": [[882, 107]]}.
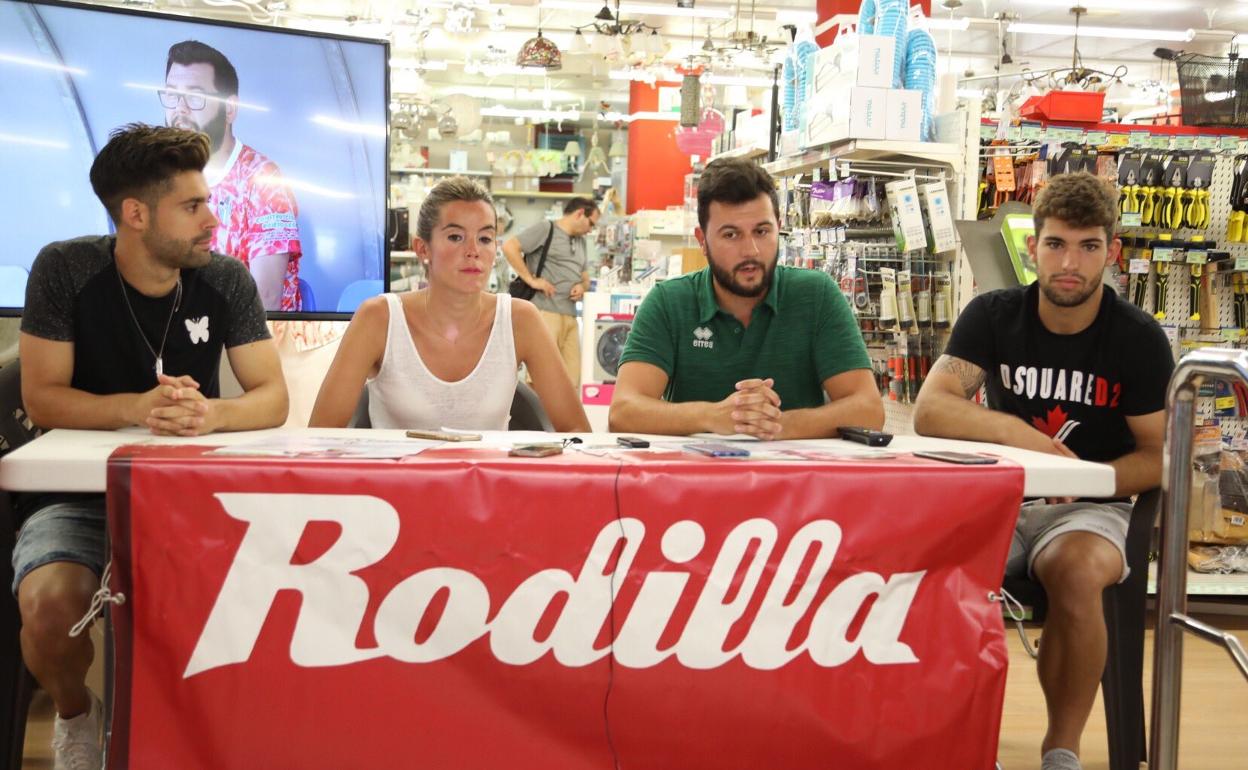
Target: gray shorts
{"points": [[61, 532], [1040, 522]]}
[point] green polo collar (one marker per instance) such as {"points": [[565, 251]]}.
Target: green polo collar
{"points": [[708, 306]]}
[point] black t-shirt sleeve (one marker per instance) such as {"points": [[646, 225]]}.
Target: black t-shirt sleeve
{"points": [[971, 339], [246, 311], [49, 310], [1147, 372]]}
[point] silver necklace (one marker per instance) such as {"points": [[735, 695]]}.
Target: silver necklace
{"points": [[177, 300]]}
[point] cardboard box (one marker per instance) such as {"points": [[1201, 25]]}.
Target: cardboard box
{"points": [[853, 112], [904, 115], [691, 259], [868, 64], [875, 61]]}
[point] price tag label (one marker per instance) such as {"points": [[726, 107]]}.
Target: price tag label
{"points": [[1119, 140], [1207, 143], [1032, 132], [1163, 254], [1138, 267], [1231, 335], [1184, 142], [1098, 138], [1139, 138], [1197, 257], [1224, 402], [1013, 133], [987, 131], [1132, 219], [1230, 143], [1241, 264], [1160, 142]]}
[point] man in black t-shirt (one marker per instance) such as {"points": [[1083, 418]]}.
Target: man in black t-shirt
{"points": [[1070, 369], [123, 331]]}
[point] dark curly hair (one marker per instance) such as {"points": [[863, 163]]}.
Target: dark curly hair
{"points": [[140, 161], [1080, 200], [734, 181]]}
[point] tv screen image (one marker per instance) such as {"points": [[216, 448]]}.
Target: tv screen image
{"points": [[298, 123]]}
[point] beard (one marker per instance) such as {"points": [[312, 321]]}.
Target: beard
{"points": [[728, 279], [1069, 297], [215, 128], [177, 253]]}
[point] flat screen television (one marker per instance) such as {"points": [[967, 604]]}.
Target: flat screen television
{"points": [[300, 151]]}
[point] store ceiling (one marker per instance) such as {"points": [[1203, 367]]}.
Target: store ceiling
{"points": [[419, 29]]}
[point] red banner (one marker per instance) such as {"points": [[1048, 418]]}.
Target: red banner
{"points": [[465, 610]]}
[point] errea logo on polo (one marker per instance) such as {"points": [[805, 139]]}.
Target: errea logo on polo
{"points": [[702, 338]]}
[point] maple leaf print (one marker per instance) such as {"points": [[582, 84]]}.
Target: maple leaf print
{"points": [[1056, 420]]}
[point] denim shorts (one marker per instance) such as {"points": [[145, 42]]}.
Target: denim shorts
{"points": [[71, 532], [1039, 523]]}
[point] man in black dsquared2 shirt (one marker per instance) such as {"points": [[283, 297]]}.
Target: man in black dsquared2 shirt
{"points": [[120, 331], [1070, 369]]}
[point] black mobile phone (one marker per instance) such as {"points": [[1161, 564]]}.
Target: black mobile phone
{"points": [[632, 442], [536, 450], [711, 449], [865, 436], [958, 458]]}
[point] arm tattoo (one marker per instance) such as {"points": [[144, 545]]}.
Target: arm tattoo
{"points": [[970, 376]]}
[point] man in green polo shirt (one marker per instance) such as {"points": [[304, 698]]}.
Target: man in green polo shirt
{"points": [[744, 346]]}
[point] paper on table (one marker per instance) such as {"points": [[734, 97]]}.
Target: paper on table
{"points": [[327, 448]]}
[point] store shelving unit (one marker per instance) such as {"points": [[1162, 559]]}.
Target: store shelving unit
{"points": [[438, 172], [533, 194], [864, 150]]}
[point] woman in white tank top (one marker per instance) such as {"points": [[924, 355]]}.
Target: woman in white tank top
{"points": [[446, 356]]}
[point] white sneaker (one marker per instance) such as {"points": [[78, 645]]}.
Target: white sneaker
{"points": [[77, 742]]}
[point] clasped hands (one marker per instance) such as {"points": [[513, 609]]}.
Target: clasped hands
{"points": [[754, 410], [176, 407]]}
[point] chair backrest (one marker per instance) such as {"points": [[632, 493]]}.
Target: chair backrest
{"points": [[358, 291], [361, 419], [15, 426], [13, 285], [307, 300], [527, 412]]}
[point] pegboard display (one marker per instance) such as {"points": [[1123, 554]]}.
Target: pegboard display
{"points": [[1177, 319]]}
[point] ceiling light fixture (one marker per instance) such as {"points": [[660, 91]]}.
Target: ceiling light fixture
{"points": [[1133, 33], [639, 9]]}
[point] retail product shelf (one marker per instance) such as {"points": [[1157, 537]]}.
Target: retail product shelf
{"points": [[438, 172], [739, 152], [534, 194], [1202, 584], [862, 149]]}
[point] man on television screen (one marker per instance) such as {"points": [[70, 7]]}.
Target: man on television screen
{"points": [[257, 210]]}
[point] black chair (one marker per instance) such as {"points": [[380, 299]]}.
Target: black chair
{"points": [[1122, 683], [16, 684], [527, 412]]}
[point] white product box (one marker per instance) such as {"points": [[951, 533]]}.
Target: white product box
{"points": [[903, 204], [904, 115], [852, 112], [867, 63], [875, 61], [935, 198]]}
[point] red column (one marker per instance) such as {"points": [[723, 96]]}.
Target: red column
{"points": [[829, 8], [656, 169]]}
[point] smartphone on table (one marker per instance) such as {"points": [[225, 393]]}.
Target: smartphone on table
{"points": [[536, 450], [443, 435], [713, 449], [957, 458]]}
